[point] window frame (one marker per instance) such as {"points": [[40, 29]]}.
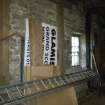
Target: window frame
{"points": [[79, 52]]}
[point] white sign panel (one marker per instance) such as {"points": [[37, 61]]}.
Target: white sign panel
{"points": [[49, 44], [27, 46]]}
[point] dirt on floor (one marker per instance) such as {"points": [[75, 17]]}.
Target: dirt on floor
{"points": [[95, 99]]}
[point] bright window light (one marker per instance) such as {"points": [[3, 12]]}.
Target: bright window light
{"points": [[75, 51]]}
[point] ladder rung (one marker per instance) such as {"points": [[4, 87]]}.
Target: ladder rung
{"points": [[56, 82], [50, 83], [67, 80], [19, 91], [36, 86], [62, 81], [44, 85], [1, 99], [8, 94], [28, 89]]}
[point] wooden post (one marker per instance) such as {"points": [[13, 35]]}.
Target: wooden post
{"points": [[35, 37], [88, 39], [35, 42], [60, 25], [4, 49], [66, 96]]}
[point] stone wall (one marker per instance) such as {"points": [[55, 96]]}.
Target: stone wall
{"points": [[15, 59], [38, 9], [44, 11], [74, 24]]}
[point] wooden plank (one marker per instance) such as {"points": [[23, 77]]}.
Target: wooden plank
{"points": [[35, 42], [35, 37], [66, 96], [45, 71], [4, 18], [4, 49], [11, 35], [1, 2], [60, 25]]}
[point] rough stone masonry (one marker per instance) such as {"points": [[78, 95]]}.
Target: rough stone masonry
{"points": [[43, 11]]}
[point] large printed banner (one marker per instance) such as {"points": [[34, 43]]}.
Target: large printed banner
{"points": [[49, 44]]}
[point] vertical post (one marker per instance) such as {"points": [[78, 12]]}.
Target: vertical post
{"points": [[4, 48], [35, 37], [88, 39], [60, 25]]}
